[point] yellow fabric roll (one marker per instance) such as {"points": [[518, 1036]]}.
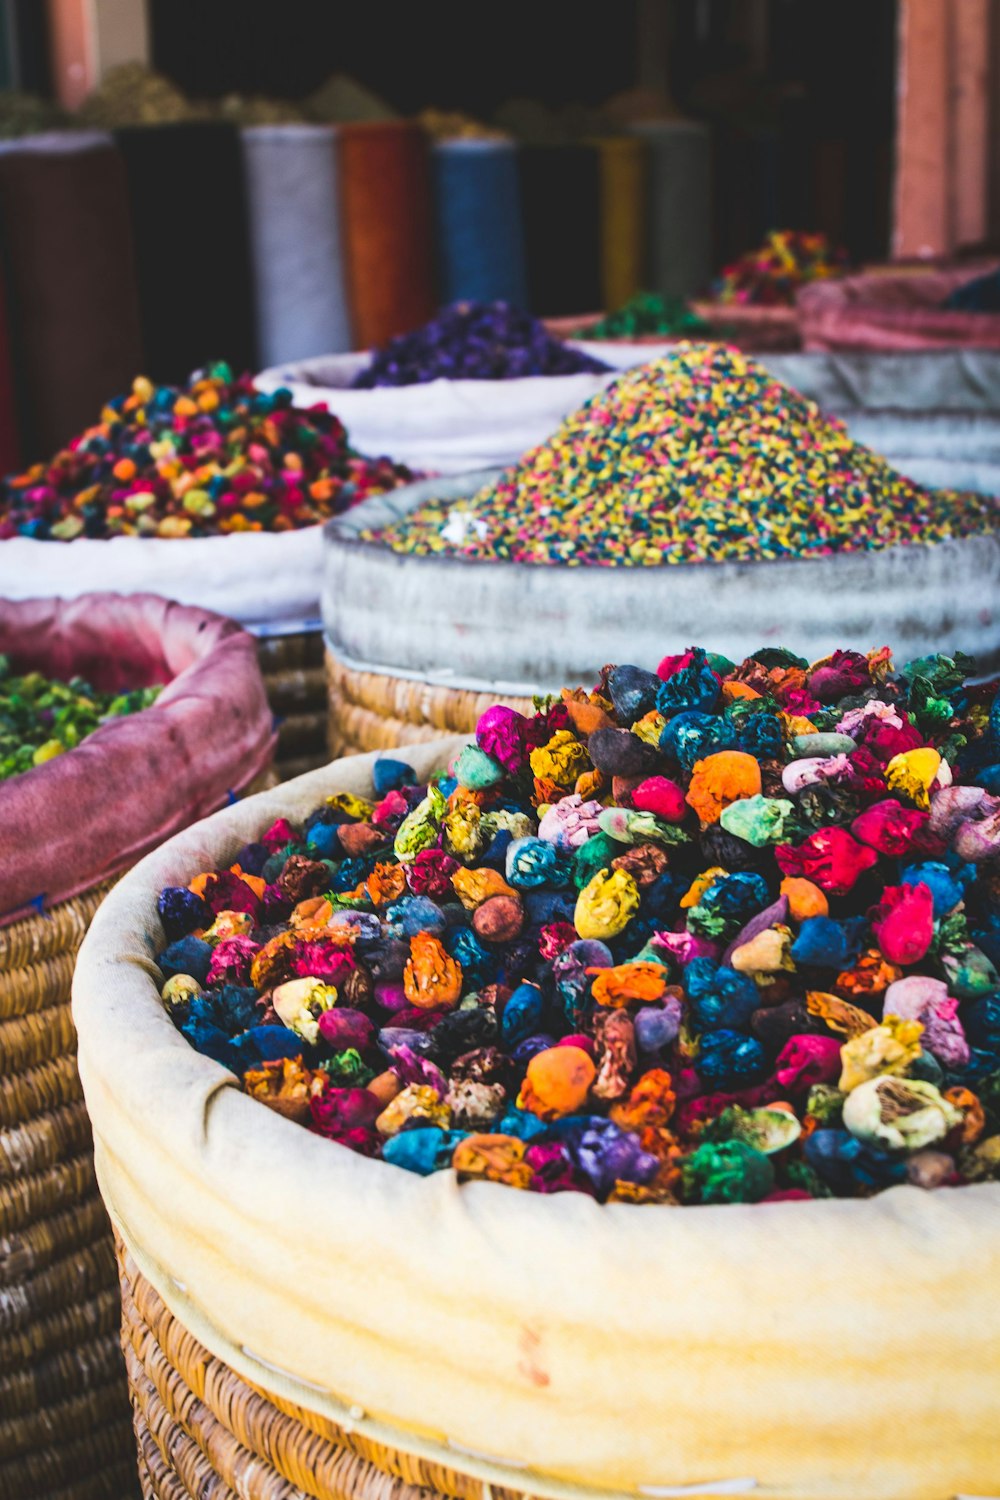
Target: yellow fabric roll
{"points": [[623, 218], [816, 1350]]}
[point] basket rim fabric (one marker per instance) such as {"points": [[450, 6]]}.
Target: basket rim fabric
{"points": [[259, 578], [609, 1349], [213, 682], [535, 626]]}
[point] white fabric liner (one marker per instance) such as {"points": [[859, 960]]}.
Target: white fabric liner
{"points": [[831, 1350]]}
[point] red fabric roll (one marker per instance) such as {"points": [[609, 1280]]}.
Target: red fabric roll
{"points": [[72, 304], [385, 194]]}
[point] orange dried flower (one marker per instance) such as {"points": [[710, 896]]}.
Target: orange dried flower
{"points": [[973, 1115], [627, 982], [386, 883], [721, 779], [256, 884], [272, 963], [585, 715], [311, 915], [557, 1082], [589, 785], [473, 887], [493, 1158], [285, 1086], [733, 690], [804, 898], [432, 978], [849, 1020], [650, 1104], [870, 975]]}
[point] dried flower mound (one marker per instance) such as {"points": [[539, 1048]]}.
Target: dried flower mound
{"points": [[561, 759], [770, 275], [730, 1172], [587, 988], [417, 1102], [914, 773], [213, 457], [473, 887], [759, 820], [614, 1034], [870, 976], [300, 1003], [386, 883], [807, 1060], [474, 341], [889, 827], [847, 1020], [42, 717], [765, 953], [804, 898], [921, 998], [649, 1105], [606, 904], [903, 923]]}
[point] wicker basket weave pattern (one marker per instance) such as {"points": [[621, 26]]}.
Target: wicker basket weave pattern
{"points": [[63, 1412], [294, 679], [201, 1430], [64, 1417], [373, 711]]}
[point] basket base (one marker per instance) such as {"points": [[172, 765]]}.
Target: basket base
{"points": [[202, 1431], [64, 1429]]}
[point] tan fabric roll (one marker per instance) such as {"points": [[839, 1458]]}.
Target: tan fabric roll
{"points": [[623, 218], [808, 1351]]}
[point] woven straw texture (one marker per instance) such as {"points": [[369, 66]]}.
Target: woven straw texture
{"points": [[201, 1430], [64, 1426], [375, 711], [64, 1429], [295, 682]]}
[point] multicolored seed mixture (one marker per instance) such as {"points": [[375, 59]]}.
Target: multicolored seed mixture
{"points": [[701, 456]]}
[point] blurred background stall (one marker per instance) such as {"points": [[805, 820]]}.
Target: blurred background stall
{"points": [[641, 148]]}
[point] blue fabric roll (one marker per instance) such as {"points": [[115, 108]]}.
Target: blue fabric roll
{"points": [[478, 211]]}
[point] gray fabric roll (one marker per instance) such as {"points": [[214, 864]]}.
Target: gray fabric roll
{"points": [[299, 273], [679, 212]]}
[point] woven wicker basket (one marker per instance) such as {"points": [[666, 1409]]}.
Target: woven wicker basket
{"points": [[375, 711], [63, 1415], [64, 1423], [292, 666], [201, 1430]]}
